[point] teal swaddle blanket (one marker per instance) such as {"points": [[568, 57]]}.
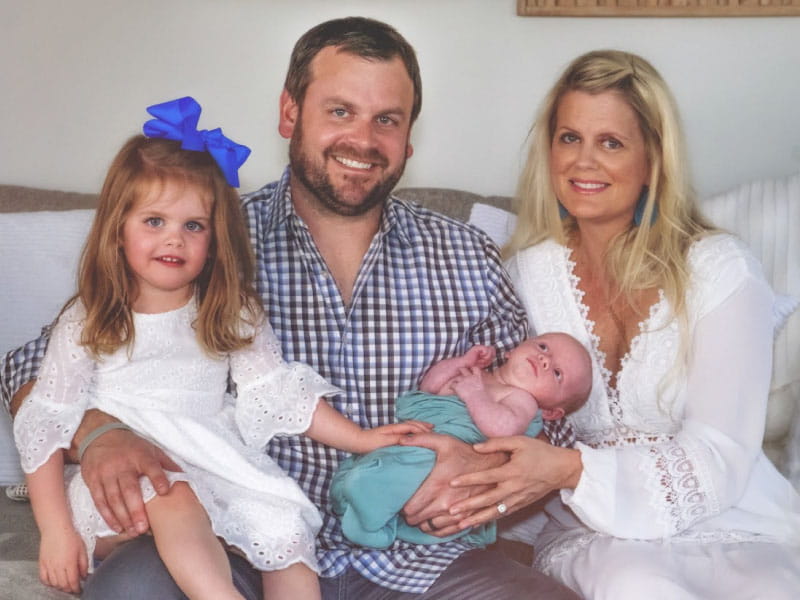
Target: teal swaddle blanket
{"points": [[368, 491]]}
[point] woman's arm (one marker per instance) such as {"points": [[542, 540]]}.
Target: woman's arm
{"points": [[659, 490], [652, 491]]}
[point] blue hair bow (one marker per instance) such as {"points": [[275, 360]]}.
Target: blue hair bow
{"points": [[177, 120]]}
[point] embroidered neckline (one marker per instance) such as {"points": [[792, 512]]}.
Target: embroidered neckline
{"points": [[612, 393]]}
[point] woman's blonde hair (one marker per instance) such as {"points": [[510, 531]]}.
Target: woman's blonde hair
{"points": [[106, 284], [652, 255]]}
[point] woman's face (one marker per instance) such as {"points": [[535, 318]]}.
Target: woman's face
{"points": [[598, 161]]}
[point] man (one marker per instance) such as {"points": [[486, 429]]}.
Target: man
{"points": [[370, 292]]}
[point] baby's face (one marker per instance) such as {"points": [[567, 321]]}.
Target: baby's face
{"points": [[553, 367]]}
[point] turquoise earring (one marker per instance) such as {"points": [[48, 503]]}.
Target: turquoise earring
{"points": [[638, 213]]}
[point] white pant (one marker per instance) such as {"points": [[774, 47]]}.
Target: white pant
{"points": [[601, 567]]}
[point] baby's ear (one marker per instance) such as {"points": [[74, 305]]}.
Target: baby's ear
{"points": [[552, 414]]}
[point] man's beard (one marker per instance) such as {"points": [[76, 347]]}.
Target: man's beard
{"points": [[316, 180]]}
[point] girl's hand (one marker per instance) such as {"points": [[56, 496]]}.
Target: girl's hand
{"points": [[535, 468], [390, 435], [62, 560]]}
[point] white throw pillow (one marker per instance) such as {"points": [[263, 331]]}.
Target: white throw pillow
{"points": [[39, 253], [498, 223], [783, 308]]}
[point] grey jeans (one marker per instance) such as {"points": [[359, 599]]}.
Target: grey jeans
{"points": [[135, 572]]}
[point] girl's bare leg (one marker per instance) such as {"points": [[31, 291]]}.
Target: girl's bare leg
{"points": [[188, 546], [296, 581]]}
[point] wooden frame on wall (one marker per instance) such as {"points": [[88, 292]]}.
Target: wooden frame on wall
{"points": [[658, 8]]}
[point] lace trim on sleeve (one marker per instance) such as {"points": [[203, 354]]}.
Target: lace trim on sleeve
{"points": [[49, 416], [680, 488], [273, 397]]}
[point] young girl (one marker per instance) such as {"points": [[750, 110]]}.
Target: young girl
{"points": [[165, 314]]}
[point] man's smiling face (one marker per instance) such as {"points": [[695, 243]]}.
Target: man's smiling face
{"points": [[350, 137]]}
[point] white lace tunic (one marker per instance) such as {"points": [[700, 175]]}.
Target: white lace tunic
{"points": [[168, 390], [672, 454]]}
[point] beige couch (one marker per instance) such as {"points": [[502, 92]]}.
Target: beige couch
{"points": [[41, 233]]}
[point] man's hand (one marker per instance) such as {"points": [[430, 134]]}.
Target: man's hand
{"points": [[111, 467], [430, 504]]}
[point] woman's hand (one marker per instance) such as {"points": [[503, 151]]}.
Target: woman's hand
{"points": [[430, 506], [535, 468]]}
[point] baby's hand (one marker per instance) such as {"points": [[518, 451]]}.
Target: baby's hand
{"points": [[62, 560], [480, 356], [468, 382]]}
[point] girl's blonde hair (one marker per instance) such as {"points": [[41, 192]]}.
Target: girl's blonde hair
{"points": [[652, 255], [106, 284]]}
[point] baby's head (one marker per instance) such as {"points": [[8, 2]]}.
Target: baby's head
{"points": [[555, 368]]}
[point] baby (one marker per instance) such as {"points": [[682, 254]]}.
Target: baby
{"points": [[544, 377], [551, 373]]}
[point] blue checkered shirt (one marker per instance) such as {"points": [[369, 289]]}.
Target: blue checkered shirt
{"points": [[429, 287]]}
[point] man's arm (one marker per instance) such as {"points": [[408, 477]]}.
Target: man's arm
{"points": [[19, 369], [16, 399], [111, 466]]}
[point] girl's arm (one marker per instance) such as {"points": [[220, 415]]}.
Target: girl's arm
{"points": [[62, 554], [330, 427], [273, 396]]}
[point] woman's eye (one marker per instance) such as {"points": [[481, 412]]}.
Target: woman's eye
{"points": [[154, 221], [612, 144], [568, 138], [194, 226]]}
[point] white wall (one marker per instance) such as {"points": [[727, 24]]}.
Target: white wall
{"points": [[77, 75]]}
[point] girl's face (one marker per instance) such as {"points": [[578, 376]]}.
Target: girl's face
{"points": [[598, 159], [165, 240]]}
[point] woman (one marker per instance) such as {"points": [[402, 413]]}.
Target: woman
{"points": [[667, 493]]}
